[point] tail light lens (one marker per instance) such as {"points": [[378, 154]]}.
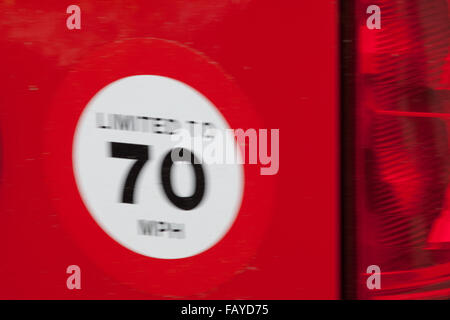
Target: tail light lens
{"points": [[403, 149]]}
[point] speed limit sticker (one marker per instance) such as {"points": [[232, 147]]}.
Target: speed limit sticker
{"points": [[127, 140], [122, 155]]}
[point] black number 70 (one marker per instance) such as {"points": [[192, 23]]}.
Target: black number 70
{"points": [[141, 153]]}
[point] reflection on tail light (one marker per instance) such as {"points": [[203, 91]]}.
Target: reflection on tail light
{"points": [[403, 149]]}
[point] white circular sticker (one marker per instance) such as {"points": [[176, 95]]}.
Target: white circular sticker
{"points": [[142, 156]]}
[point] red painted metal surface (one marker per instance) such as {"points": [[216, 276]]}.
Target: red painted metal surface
{"points": [[282, 57]]}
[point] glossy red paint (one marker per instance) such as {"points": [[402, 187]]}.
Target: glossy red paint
{"points": [[283, 58]]}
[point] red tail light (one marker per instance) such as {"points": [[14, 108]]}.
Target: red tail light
{"points": [[403, 150]]}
